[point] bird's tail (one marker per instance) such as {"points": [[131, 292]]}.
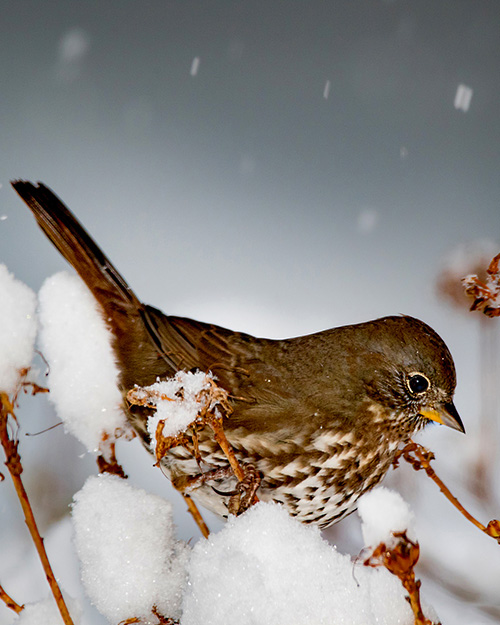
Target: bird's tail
{"points": [[114, 295], [137, 329]]}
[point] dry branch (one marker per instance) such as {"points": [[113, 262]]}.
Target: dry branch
{"points": [[13, 464], [106, 459], [9, 601], [196, 514], [420, 458]]}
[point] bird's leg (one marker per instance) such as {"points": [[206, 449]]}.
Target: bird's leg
{"points": [[185, 484], [241, 498], [248, 477]]}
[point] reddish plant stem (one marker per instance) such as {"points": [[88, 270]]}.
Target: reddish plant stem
{"points": [[422, 460], [196, 514], [13, 464], [9, 601]]}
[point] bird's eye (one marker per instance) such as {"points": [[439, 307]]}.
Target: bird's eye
{"points": [[417, 383]]}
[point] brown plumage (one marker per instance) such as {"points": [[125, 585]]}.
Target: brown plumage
{"points": [[320, 416]]}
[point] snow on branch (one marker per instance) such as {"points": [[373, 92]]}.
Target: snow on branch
{"points": [[265, 567], [17, 330], [131, 562], [180, 403], [83, 374], [17, 337]]}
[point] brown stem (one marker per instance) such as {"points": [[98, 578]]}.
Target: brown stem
{"points": [[195, 513], [163, 620], [412, 587], [13, 463], [9, 601], [423, 461]]}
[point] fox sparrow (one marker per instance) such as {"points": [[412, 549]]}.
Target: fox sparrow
{"points": [[320, 417]]}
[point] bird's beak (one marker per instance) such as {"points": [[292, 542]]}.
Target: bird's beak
{"points": [[446, 414]]}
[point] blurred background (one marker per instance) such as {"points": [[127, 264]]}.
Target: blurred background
{"points": [[277, 168]]}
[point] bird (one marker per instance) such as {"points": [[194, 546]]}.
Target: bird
{"points": [[319, 418]]}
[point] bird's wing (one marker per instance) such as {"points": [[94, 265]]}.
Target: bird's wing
{"points": [[233, 357]]}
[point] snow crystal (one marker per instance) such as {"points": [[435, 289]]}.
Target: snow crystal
{"points": [[195, 66], [74, 45], [177, 412], [46, 612], [73, 49], [463, 97], [367, 220], [83, 374], [129, 557], [326, 90], [265, 568], [383, 512], [17, 329]]}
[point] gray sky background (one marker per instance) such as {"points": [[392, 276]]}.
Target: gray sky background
{"points": [[241, 194], [309, 170]]}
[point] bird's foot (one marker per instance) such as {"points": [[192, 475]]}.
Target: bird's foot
{"points": [[245, 494], [188, 483]]}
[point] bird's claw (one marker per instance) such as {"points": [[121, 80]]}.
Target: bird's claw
{"points": [[245, 495]]}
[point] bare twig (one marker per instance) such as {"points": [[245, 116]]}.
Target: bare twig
{"points": [[106, 459], [420, 458], [162, 620], [13, 463], [35, 388], [196, 514], [9, 601]]}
